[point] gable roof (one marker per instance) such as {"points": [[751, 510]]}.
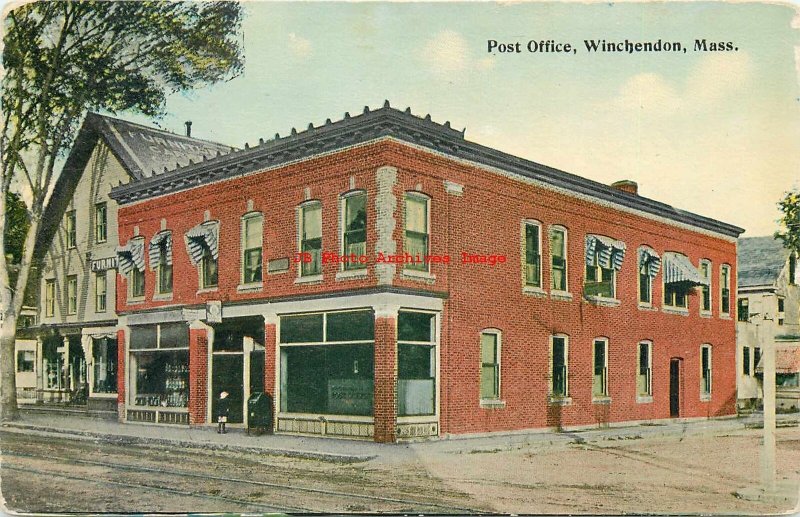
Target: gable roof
{"points": [[409, 128], [761, 260], [144, 152]]}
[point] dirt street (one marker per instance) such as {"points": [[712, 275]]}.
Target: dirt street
{"points": [[680, 474]]}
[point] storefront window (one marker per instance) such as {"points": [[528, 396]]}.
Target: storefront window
{"points": [[160, 365], [416, 364], [320, 376], [104, 364]]}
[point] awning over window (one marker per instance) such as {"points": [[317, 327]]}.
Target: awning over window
{"points": [[649, 259], [163, 238], [679, 269], [609, 252], [203, 236], [131, 256]]}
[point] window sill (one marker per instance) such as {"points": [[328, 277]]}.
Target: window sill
{"points": [[493, 404], [415, 274], [352, 274], [647, 307], [705, 314], [705, 397], [560, 401], [724, 316], [675, 310], [602, 301], [564, 296], [601, 400], [250, 288], [208, 290], [166, 297], [311, 279], [135, 301], [646, 399], [537, 292]]}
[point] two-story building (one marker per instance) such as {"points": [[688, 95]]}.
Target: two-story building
{"points": [[768, 306], [74, 356], [383, 277]]}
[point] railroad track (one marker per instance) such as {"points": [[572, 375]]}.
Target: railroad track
{"points": [[406, 504]]}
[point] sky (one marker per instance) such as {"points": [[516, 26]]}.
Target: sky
{"points": [[715, 133]]}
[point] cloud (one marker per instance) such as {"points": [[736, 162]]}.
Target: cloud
{"points": [[299, 46], [448, 53]]}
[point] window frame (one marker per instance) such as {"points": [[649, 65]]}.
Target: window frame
{"points": [[302, 243], [526, 223], [564, 231], [434, 345], [725, 290], [746, 370], [100, 296], [245, 252], [50, 297], [705, 290], [743, 309], [604, 393], [551, 388], [414, 195], [639, 275], [496, 365], [344, 199], [101, 224], [647, 395], [161, 269], [205, 264], [780, 314], [72, 297], [599, 272], [706, 374], [71, 231], [133, 291]]}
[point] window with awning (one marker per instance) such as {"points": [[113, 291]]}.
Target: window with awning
{"points": [[202, 239], [649, 265], [160, 250], [131, 256], [604, 257], [680, 276]]}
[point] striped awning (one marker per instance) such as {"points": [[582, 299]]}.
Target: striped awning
{"points": [[679, 269], [203, 236], [648, 258], [162, 238], [131, 256], [604, 252]]}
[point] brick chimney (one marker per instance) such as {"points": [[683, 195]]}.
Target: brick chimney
{"points": [[631, 187]]}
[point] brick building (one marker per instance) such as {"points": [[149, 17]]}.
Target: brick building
{"points": [[548, 300]]}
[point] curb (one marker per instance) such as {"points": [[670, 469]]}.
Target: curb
{"points": [[122, 439]]}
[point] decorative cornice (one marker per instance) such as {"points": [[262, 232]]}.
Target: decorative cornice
{"points": [[403, 126]]}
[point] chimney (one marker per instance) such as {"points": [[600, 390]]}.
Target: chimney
{"points": [[631, 187], [188, 127]]}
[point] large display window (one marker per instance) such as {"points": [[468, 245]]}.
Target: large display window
{"points": [[327, 363], [159, 365], [104, 365], [416, 363]]}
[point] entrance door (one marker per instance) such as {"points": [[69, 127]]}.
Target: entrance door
{"points": [[227, 376], [674, 387]]}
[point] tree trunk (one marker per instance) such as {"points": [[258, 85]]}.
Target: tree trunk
{"points": [[8, 368]]}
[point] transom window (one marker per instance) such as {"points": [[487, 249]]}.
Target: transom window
{"points": [[355, 228], [252, 238], [311, 238], [490, 364], [533, 254], [558, 254], [417, 231]]}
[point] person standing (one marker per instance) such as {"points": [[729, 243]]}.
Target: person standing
{"points": [[223, 407]]}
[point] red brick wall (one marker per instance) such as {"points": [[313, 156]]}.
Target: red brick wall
{"points": [[270, 337], [385, 398], [198, 375], [486, 219]]}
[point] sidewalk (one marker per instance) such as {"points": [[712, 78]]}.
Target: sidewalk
{"points": [[348, 451]]}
